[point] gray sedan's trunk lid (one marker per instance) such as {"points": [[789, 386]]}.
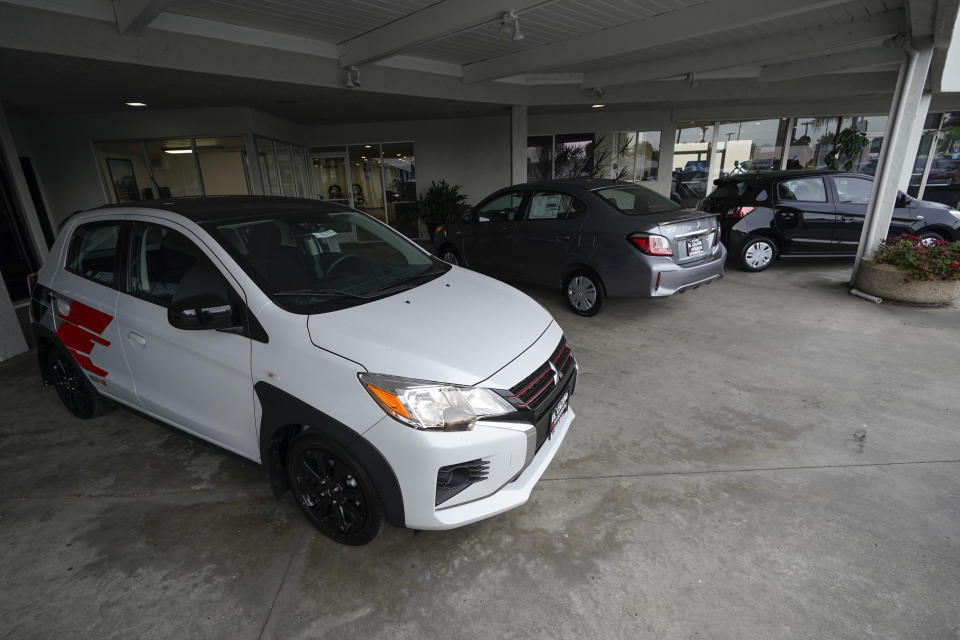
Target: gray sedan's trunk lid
{"points": [[692, 234]]}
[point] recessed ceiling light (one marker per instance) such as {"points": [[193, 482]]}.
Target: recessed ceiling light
{"points": [[135, 104], [368, 146], [598, 106], [175, 151]]}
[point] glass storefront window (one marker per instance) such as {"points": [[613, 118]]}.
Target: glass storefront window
{"points": [[400, 181], [174, 168], [943, 181], [268, 167], [223, 166], [300, 171], [751, 145], [539, 158], [330, 174], [638, 155], [810, 142], [125, 171], [691, 162], [572, 155], [285, 170], [367, 179], [874, 127]]}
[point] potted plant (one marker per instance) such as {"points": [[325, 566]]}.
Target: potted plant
{"points": [[441, 201], [907, 269]]}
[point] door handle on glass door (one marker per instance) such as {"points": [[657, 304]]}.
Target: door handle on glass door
{"points": [[136, 339]]}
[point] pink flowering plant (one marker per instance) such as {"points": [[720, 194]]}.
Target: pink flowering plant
{"points": [[930, 260]]}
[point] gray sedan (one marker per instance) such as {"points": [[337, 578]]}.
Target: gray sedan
{"points": [[594, 238]]}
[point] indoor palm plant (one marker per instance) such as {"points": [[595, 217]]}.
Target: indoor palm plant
{"points": [[441, 201]]}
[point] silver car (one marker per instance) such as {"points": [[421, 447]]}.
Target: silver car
{"points": [[595, 238]]}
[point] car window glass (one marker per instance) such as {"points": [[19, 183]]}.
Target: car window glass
{"points": [[852, 190], [549, 205], [93, 252], [802, 190], [504, 208], [636, 201], [162, 259]]}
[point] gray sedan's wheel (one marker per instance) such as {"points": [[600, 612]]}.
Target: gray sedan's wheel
{"points": [[757, 254], [584, 293], [449, 255]]}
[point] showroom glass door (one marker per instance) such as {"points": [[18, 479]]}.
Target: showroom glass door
{"points": [[366, 180], [330, 175]]}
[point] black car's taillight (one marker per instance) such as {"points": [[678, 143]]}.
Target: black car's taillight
{"points": [[738, 212]]}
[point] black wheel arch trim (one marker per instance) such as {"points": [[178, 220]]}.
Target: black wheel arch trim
{"points": [[281, 410]]}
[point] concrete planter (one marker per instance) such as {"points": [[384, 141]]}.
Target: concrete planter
{"points": [[888, 282]]}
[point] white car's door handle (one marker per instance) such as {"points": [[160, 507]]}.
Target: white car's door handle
{"points": [[136, 339]]}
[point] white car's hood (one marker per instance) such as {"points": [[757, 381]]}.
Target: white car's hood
{"points": [[460, 328]]}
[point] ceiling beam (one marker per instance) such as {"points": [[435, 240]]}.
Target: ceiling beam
{"points": [[921, 15], [756, 52], [681, 24], [133, 16], [427, 25], [863, 59]]}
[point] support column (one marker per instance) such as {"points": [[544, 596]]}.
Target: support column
{"points": [[916, 119], [714, 169], [895, 153], [518, 144]]}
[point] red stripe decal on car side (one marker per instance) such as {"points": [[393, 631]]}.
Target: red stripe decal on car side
{"points": [[75, 333]]}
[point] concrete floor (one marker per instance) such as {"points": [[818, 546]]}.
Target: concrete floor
{"points": [[711, 487]]}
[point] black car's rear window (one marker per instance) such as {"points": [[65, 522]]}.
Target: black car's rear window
{"points": [[636, 201], [737, 190]]}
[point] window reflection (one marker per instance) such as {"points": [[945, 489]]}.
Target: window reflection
{"points": [[223, 166], [751, 145], [638, 155], [174, 168], [691, 162]]}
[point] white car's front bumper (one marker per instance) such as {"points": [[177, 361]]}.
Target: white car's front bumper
{"points": [[416, 457]]}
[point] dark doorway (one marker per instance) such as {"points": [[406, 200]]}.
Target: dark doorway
{"points": [[17, 258]]}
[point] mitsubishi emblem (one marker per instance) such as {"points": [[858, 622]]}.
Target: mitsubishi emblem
{"points": [[556, 374]]}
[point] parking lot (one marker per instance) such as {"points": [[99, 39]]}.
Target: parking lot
{"points": [[764, 457]]}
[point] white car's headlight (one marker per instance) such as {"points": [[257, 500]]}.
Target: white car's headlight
{"points": [[433, 405]]}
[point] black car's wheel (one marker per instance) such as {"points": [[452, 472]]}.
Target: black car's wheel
{"points": [[334, 491], [449, 255], [929, 238], [757, 253], [75, 391], [584, 293]]}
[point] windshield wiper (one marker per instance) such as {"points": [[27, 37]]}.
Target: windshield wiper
{"points": [[320, 292], [433, 271]]}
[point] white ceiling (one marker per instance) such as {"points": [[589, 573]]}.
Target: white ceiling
{"points": [[425, 52]]}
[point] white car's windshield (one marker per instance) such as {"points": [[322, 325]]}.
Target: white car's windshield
{"points": [[316, 261]]}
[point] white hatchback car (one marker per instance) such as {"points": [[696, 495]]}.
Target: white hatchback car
{"points": [[370, 378]]}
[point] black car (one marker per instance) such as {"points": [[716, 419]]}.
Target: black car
{"points": [[813, 213]]}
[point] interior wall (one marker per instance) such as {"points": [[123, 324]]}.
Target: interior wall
{"points": [[471, 152]]}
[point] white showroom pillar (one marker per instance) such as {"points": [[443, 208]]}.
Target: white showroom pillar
{"points": [[919, 117], [518, 144], [713, 170], [894, 153]]}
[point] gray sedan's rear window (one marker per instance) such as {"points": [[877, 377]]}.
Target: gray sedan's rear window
{"points": [[636, 201]]}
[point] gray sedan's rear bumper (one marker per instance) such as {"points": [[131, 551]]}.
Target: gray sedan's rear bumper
{"points": [[661, 277]]}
